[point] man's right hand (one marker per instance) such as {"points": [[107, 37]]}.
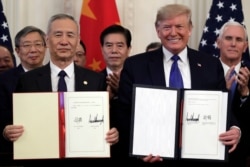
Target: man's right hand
{"points": [[13, 132]]}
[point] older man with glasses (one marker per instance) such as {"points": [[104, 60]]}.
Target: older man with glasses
{"points": [[30, 48]]}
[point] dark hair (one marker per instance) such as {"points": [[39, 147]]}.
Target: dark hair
{"points": [[153, 45], [83, 45], [11, 53], [25, 31], [116, 29]]}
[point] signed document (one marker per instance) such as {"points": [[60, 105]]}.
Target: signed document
{"points": [[177, 124], [61, 125], [204, 118], [87, 122]]}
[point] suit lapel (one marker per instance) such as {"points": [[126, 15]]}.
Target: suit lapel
{"points": [[44, 78], [156, 68], [81, 84], [195, 69], [19, 70], [105, 73]]}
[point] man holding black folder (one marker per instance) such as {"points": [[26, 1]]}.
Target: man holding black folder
{"points": [[198, 71]]}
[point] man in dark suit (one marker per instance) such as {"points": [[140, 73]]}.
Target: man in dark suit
{"points": [[199, 71], [116, 45], [62, 39], [30, 48], [232, 42]]}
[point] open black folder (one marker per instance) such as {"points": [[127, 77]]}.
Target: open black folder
{"points": [[175, 124]]}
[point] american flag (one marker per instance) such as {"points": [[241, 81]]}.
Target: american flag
{"points": [[5, 39], [220, 12]]}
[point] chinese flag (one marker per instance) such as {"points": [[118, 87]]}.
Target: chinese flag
{"points": [[96, 15]]}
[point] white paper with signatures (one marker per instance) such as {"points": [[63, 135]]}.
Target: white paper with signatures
{"points": [[87, 122], [204, 118]]}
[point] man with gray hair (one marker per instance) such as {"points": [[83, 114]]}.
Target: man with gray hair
{"points": [[232, 42], [62, 39]]}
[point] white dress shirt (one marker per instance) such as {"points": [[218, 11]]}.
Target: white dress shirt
{"points": [[69, 78], [183, 65]]}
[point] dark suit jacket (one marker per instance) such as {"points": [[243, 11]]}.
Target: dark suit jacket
{"points": [[243, 115], [39, 80], [113, 103], [105, 73], [147, 68], [8, 81], [115, 149], [241, 111]]}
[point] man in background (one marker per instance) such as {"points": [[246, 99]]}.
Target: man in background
{"points": [[153, 46], [7, 59], [232, 42], [116, 46], [30, 48], [80, 55]]}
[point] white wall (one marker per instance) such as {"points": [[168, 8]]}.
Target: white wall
{"points": [[137, 15]]}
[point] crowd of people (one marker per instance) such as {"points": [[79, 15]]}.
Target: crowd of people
{"points": [[199, 71]]}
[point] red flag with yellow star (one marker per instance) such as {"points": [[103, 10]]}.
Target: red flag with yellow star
{"points": [[95, 16]]}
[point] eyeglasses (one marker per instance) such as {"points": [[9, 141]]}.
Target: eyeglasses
{"points": [[28, 46]]}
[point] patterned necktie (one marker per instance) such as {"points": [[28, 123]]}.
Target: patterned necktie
{"points": [[62, 87], [175, 79]]}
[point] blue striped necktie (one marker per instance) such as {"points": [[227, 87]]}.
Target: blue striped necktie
{"points": [[175, 79]]}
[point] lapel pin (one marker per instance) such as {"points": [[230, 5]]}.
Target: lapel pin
{"points": [[85, 82], [198, 64]]}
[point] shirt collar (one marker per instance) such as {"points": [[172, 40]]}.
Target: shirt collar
{"points": [[226, 67], [55, 69], [182, 55]]}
